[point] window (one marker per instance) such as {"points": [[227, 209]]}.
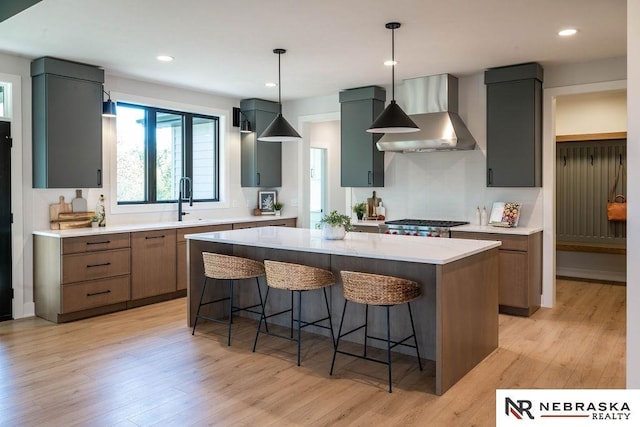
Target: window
{"points": [[156, 147]]}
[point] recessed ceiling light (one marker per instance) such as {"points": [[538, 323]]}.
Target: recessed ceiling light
{"points": [[164, 58], [389, 63], [270, 84], [567, 32]]}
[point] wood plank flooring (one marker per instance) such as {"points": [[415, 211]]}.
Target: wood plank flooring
{"points": [[142, 367]]}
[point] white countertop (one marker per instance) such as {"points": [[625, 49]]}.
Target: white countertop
{"points": [[427, 250], [497, 230], [130, 228]]}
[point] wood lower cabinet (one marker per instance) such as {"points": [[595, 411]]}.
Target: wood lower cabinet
{"points": [[520, 278], [153, 263], [81, 276]]}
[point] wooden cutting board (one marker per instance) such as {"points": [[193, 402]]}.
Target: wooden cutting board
{"points": [[372, 203], [55, 210]]}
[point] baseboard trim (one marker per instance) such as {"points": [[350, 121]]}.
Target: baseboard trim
{"points": [[604, 276]]}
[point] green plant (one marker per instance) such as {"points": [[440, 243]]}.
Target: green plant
{"points": [[336, 219], [277, 206], [360, 208]]}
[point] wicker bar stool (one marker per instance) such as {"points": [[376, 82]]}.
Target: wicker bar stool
{"points": [[231, 268], [297, 279], [375, 289]]}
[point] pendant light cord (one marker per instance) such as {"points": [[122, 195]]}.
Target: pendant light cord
{"points": [[393, 65], [279, 85]]}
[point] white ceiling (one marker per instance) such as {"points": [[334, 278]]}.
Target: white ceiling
{"points": [[225, 47]]}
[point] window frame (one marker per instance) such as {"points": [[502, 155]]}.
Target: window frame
{"points": [[150, 190]]}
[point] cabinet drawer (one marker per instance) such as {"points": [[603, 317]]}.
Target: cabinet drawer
{"points": [[291, 222], [96, 293], [74, 245], [510, 242], [241, 225], [95, 265]]}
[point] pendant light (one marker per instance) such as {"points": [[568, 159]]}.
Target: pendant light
{"points": [[393, 119], [279, 129]]}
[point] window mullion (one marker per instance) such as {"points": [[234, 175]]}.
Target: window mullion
{"points": [[151, 157]]}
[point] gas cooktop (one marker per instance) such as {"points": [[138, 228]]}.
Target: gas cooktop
{"points": [[426, 223]]}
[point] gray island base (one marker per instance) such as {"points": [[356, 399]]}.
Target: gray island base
{"points": [[456, 316]]}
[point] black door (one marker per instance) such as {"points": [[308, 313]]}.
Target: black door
{"points": [[5, 221]]}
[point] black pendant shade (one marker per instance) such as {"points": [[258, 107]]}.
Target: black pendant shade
{"points": [[393, 119], [108, 106], [279, 129]]}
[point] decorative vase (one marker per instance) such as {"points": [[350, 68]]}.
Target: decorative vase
{"points": [[277, 213], [360, 215], [333, 232]]}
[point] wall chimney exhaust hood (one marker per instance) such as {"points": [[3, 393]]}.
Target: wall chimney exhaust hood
{"points": [[432, 103]]}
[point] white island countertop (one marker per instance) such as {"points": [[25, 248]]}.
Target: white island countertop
{"points": [[426, 250]]}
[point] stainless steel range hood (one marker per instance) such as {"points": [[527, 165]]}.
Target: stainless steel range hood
{"points": [[432, 103]]}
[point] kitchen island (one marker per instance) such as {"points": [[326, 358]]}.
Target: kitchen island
{"points": [[456, 315]]}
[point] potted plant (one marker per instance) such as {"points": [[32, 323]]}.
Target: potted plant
{"points": [[360, 209], [277, 207], [335, 226]]}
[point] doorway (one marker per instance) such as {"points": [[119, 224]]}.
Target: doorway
{"points": [[318, 185], [6, 294]]}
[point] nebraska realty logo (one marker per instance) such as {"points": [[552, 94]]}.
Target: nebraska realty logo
{"points": [[567, 407]]}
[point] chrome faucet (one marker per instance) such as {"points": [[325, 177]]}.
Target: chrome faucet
{"points": [[184, 187]]}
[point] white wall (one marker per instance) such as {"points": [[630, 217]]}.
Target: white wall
{"points": [[585, 113], [633, 188]]}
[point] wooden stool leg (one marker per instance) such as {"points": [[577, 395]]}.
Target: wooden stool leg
{"points": [[335, 348], [415, 338], [195, 321], [389, 346]]}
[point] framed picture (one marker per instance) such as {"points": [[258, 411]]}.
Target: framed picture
{"points": [[266, 200]]}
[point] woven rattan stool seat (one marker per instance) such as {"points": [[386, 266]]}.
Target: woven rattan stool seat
{"points": [[376, 289], [296, 277], [227, 267]]}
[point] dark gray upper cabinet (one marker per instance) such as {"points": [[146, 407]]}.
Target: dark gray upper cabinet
{"points": [[362, 164], [260, 161], [67, 124], [514, 126]]}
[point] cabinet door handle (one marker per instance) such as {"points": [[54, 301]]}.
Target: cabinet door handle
{"points": [[98, 265], [154, 237], [108, 291], [369, 177], [258, 175], [106, 242], [99, 177], [489, 176]]}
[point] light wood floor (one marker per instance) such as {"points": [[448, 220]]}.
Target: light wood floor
{"points": [[143, 367]]}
